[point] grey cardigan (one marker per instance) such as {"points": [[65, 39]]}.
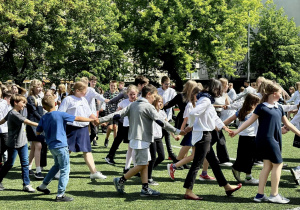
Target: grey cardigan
{"points": [[141, 116]]}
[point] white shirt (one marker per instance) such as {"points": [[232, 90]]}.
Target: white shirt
{"points": [[77, 107], [232, 94], [92, 94], [187, 111], [167, 96], [122, 105], [252, 129], [4, 109], [205, 118], [157, 130], [296, 120], [295, 98], [247, 90]]}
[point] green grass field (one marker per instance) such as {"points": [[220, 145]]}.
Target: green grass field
{"points": [[101, 194]]}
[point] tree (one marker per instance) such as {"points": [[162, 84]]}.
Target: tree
{"points": [[275, 46], [174, 35], [59, 38]]}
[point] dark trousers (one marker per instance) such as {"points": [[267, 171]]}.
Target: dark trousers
{"points": [[155, 147], [121, 135], [203, 149], [3, 147], [168, 144], [44, 150], [246, 153], [94, 131], [222, 153]]}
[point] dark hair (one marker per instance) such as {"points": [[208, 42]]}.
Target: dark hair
{"points": [[250, 100], [6, 94], [93, 78], [140, 80], [17, 98], [148, 89], [164, 79], [214, 88], [48, 102]]}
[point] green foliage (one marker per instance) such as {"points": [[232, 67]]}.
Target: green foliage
{"points": [[173, 35], [275, 50], [61, 38]]}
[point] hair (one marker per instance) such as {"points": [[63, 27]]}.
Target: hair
{"points": [[63, 87], [242, 89], [262, 79], [297, 86], [224, 82], [230, 84], [131, 88], [100, 90], [253, 84], [247, 81], [93, 78], [78, 86], [269, 89], [34, 83], [48, 90], [263, 85], [155, 102], [21, 90], [164, 79], [187, 90], [141, 80], [148, 89], [113, 81], [199, 84], [194, 92], [17, 98], [121, 83], [7, 94], [293, 89], [247, 107], [214, 88], [85, 80], [48, 102]]}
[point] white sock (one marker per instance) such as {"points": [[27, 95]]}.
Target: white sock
{"points": [[38, 169], [43, 186], [30, 167], [128, 158]]}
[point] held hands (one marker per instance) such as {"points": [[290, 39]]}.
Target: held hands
{"points": [[177, 138], [228, 130], [96, 122], [225, 107], [106, 100], [188, 129], [284, 130]]}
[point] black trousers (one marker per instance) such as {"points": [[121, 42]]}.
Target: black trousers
{"points": [[168, 144], [94, 131], [155, 147], [121, 135], [203, 149], [222, 153], [246, 153], [3, 147]]}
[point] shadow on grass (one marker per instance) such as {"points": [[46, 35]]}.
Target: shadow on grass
{"points": [[25, 196]]}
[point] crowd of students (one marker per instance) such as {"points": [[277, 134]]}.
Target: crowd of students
{"points": [[67, 120]]}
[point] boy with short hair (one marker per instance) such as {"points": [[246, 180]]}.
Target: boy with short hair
{"points": [[17, 141], [53, 124], [141, 114]]}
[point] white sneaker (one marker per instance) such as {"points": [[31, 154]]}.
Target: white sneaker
{"points": [[57, 175], [252, 181], [1, 187], [278, 199], [236, 175], [296, 175], [28, 188], [226, 164], [97, 175]]}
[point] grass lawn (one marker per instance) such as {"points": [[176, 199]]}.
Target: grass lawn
{"points": [[101, 194]]}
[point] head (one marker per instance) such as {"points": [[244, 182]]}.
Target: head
{"points": [[253, 84], [165, 82], [214, 88], [48, 92], [93, 81], [14, 89], [242, 89], [230, 85], [292, 90], [53, 88], [149, 92], [158, 102], [113, 86], [35, 87], [187, 89], [85, 80], [121, 85], [61, 88], [132, 92], [246, 83], [7, 96], [48, 103], [224, 82], [79, 89], [249, 104], [263, 85], [18, 101], [297, 86], [193, 96], [140, 82], [259, 80], [272, 92]]}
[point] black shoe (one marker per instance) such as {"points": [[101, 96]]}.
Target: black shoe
{"points": [[106, 143], [38, 176], [185, 166], [110, 161], [31, 172], [125, 171], [45, 191], [95, 143], [63, 199], [284, 166]]}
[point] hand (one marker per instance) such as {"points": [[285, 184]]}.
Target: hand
{"points": [[104, 124], [232, 134], [177, 138], [96, 121], [228, 130], [106, 100], [182, 133], [225, 107], [284, 130], [188, 129]]}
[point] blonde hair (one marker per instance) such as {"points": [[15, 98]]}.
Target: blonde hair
{"points": [[224, 81], [17, 98], [194, 92], [298, 86], [269, 90], [187, 90], [85, 80], [80, 86], [263, 85], [48, 102], [132, 88], [63, 87], [155, 102], [34, 83]]}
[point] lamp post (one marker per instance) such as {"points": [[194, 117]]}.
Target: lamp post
{"points": [[248, 54]]}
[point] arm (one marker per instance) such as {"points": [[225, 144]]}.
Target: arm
{"points": [[116, 115], [246, 124], [117, 98], [28, 122], [172, 102], [230, 119], [287, 108], [83, 119], [183, 125], [290, 126], [2, 121]]}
